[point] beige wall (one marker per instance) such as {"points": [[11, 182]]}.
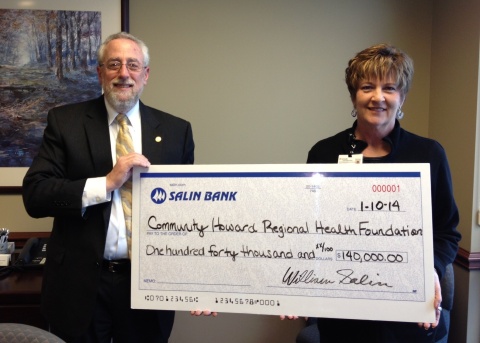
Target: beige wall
{"points": [[454, 76], [262, 81]]}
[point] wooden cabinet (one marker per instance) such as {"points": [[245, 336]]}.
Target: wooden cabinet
{"points": [[20, 298], [20, 291]]}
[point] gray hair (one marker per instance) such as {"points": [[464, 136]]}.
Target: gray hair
{"points": [[123, 35]]}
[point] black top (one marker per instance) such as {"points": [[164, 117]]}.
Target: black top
{"points": [[407, 147]]}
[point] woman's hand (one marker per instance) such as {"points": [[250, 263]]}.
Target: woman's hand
{"points": [[436, 304], [283, 317]]}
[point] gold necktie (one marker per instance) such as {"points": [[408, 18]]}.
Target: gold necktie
{"points": [[124, 146]]}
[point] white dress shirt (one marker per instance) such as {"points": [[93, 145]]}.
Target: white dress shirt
{"points": [[95, 188]]}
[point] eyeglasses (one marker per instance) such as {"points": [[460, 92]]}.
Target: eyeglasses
{"points": [[116, 66]]}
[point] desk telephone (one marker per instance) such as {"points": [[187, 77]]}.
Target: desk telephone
{"points": [[33, 254]]}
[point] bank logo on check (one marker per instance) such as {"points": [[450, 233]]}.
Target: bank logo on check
{"points": [[158, 195]]}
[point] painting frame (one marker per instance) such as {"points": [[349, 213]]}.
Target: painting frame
{"points": [[115, 15]]}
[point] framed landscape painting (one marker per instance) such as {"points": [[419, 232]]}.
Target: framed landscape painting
{"points": [[47, 59]]}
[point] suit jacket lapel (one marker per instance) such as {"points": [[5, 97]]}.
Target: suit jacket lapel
{"points": [[151, 132]]}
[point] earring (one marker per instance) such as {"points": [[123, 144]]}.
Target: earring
{"points": [[353, 113], [400, 113]]}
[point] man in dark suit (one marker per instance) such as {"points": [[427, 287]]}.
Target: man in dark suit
{"points": [[76, 179]]}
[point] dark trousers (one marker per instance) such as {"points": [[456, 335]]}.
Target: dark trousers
{"points": [[360, 331], [114, 320]]}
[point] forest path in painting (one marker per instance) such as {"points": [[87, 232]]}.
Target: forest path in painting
{"points": [[25, 101]]}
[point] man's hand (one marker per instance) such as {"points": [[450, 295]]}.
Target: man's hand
{"points": [[122, 171], [283, 317], [205, 313]]}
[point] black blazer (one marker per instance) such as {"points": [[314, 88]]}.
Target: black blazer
{"points": [[76, 146]]}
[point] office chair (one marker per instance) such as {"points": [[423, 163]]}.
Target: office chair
{"points": [[21, 333]]}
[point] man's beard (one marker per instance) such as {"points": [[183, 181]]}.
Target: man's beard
{"points": [[121, 105]]}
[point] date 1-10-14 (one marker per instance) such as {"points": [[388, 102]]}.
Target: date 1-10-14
{"points": [[380, 206]]}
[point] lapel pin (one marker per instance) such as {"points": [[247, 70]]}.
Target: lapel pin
{"points": [[158, 139]]}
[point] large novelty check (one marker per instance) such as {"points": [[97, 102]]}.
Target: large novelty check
{"points": [[342, 241]]}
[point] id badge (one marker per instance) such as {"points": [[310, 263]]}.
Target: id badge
{"points": [[355, 158]]}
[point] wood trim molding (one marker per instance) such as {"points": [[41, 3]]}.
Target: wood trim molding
{"points": [[468, 260], [125, 13]]}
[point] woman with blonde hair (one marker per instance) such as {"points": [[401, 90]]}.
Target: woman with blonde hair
{"points": [[378, 80]]}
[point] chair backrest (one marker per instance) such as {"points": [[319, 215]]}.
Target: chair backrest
{"points": [[21, 333], [448, 285]]}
